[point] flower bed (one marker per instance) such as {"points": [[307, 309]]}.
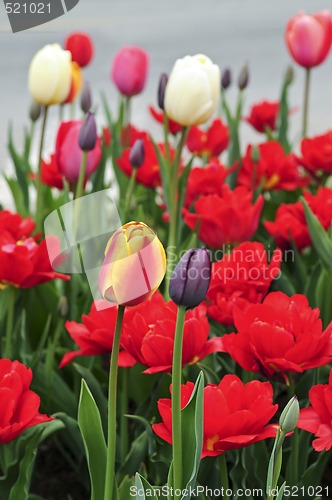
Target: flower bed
{"points": [[166, 307]]}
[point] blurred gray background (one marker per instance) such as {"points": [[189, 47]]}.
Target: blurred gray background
{"points": [[231, 32]]}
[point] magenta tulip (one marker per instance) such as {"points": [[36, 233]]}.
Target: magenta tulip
{"points": [[309, 37], [129, 70], [68, 153]]}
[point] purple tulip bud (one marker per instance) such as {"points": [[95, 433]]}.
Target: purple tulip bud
{"points": [[161, 90], [88, 133], [190, 280], [226, 79], [137, 154], [86, 101], [243, 77], [35, 111], [289, 75]]}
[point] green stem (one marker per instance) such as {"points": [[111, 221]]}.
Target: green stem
{"points": [[80, 183], [306, 103], [166, 133], [127, 123], [32, 132], [129, 195], [176, 402], [39, 203], [124, 411], [10, 321], [112, 397], [224, 475], [295, 458], [174, 200]]}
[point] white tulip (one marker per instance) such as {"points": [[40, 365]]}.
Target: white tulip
{"points": [[193, 90], [50, 75]]}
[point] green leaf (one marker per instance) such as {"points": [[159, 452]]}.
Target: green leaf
{"points": [[124, 490], [17, 196], [319, 236], [281, 491], [274, 464], [89, 422], [17, 460], [144, 489], [20, 489], [20, 169], [96, 390], [324, 295], [192, 435]]}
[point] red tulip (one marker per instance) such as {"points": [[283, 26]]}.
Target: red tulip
{"points": [[23, 262], [235, 414], [95, 334], [51, 176], [19, 405], [241, 278], [317, 153], [263, 116], [309, 37], [68, 154], [148, 334], [129, 70], [174, 127], [281, 335], [227, 219], [273, 170], [206, 180], [290, 221], [16, 225], [81, 47], [317, 418], [211, 142]]}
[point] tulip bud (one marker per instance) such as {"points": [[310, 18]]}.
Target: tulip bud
{"points": [[161, 90], [130, 69], [243, 77], [255, 154], [88, 134], [86, 100], [134, 265], [191, 278], [226, 79], [137, 154], [290, 415], [63, 306], [289, 75], [81, 47], [35, 111]]}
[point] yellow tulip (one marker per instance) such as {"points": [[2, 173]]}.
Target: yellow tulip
{"points": [[50, 75], [193, 90], [134, 265]]}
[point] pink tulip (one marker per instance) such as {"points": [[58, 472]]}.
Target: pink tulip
{"points": [[129, 70], [309, 37], [68, 153]]}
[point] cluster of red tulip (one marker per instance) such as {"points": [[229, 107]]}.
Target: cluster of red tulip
{"points": [[230, 293]]}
